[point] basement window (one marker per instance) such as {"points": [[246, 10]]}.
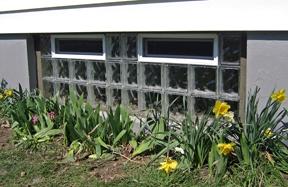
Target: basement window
{"points": [[78, 46], [198, 49], [173, 73]]}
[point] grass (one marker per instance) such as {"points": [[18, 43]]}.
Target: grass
{"points": [[46, 167], [43, 168], [33, 169]]}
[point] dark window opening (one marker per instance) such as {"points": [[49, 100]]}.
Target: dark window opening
{"points": [[89, 46], [178, 47]]}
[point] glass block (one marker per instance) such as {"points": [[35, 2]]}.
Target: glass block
{"points": [[152, 75], [114, 46], [231, 49], [205, 79], [48, 89], [178, 77], [47, 68], [132, 74], [100, 95], [153, 100], [133, 98], [64, 90], [116, 76], [116, 93], [99, 71], [81, 90], [63, 69], [80, 70], [230, 79], [131, 46], [177, 104], [45, 44], [204, 105]]}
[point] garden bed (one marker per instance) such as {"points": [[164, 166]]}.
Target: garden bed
{"points": [[71, 143]]}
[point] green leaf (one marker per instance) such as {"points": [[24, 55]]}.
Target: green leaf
{"points": [[118, 137], [245, 149], [144, 146], [102, 143], [133, 143]]}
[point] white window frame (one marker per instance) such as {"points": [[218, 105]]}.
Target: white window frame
{"points": [[176, 60], [78, 56]]}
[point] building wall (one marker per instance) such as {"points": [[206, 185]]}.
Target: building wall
{"points": [[30, 16], [17, 62], [267, 62]]}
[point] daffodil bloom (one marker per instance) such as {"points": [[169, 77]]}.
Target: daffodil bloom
{"points": [[268, 133], [226, 148], [229, 116], [220, 108], [8, 93], [279, 96], [1, 96], [168, 165]]}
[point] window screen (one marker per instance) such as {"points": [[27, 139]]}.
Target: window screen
{"points": [[93, 46], [178, 47]]}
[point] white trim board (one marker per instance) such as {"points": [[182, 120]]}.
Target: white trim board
{"points": [[186, 16]]}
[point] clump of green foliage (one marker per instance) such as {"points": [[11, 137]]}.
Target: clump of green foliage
{"points": [[221, 143]]}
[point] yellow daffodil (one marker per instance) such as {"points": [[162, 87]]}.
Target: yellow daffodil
{"points": [[8, 93], [279, 96], [1, 96], [226, 148], [268, 133], [229, 116], [168, 165], [220, 108]]}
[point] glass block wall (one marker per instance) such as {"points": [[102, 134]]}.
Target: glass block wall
{"points": [[122, 79]]}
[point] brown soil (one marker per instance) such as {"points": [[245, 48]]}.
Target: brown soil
{"points": [[110, 170], [115, 169], [5, 134]]}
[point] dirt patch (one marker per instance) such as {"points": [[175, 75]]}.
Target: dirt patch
{"points": [[115, 169], [5, 134], [109, 170]]}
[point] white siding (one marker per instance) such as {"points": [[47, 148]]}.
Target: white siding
{"points": [[208, 15], [16, 5]]}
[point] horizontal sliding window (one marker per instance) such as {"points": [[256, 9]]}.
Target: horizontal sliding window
{"points": [[78, 46], [199, 49], [178, 48]]}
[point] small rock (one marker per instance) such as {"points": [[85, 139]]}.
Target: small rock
{"points": [[37, 180], [5, 126], [23, 173], [3, 172]]}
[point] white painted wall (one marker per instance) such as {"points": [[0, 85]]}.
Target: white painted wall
{"points": [[267, 62], [197, 15], [14, 61]]}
